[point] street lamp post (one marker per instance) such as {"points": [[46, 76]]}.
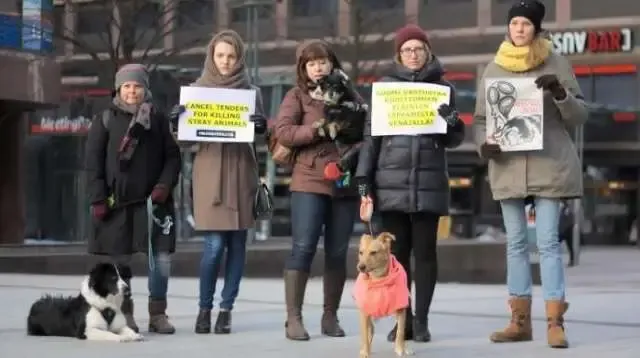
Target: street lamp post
{"points": [[252, 37], [577, 203]]}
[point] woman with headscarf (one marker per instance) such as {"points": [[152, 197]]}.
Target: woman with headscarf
{"points": [[131, 157], [549, 175], [225, 180], [407, 178]]}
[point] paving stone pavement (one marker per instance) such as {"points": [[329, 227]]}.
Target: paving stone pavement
{"points": [[603, 320]]}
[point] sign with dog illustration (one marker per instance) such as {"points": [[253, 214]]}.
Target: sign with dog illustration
{"points": [[514, 113], [216, 115], [401, 108]]}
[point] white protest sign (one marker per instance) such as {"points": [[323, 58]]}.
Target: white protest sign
{"points": [[515, 107], [407, 108], [216, 114]]}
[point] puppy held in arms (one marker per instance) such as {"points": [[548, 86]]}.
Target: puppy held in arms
{"points": [[342, 108], [380, 291], [94, 314]]}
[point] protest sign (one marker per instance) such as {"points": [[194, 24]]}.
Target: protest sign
{"points": [[514, 113], [216, 115], [406, 108]]}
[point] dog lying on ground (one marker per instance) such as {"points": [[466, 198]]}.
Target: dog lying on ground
{"points": [[94, 314], [380, 290], [342, 106]]}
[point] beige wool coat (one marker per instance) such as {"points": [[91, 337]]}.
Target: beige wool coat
{"points": [[554, 171], [224, 182]]}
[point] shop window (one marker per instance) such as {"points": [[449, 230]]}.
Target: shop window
{"points": [[195, 12], [619, 91], [309, 8], [377, 5], [92, 18], [240, 14]]}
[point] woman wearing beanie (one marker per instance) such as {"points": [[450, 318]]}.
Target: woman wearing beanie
{"points": [[407, 179], [225, 180], [317, 202], [131, 156], [549, 175]]}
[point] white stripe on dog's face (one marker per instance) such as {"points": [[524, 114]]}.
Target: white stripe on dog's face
{"points": [[122, 285]]}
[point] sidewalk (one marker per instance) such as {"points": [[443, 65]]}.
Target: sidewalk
{"points": [[603, 319]]}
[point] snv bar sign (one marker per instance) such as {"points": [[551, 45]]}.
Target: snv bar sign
{"points": [[591, 41]]}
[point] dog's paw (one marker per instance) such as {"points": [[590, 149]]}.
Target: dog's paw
{"points": [[333, 130], [137, 337], [364, 353], [404, 352]]}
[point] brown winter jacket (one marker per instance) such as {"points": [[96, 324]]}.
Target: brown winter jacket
{"points": [[294, 129]]}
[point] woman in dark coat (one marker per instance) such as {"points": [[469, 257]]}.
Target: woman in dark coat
{"points": [[131, 157], [407, 178]]}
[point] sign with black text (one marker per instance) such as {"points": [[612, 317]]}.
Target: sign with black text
{"points": [[592, 41]]}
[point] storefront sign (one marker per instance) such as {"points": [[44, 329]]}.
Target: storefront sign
{"points": [[591, 41], [61, 126]]}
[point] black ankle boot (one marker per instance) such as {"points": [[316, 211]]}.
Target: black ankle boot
{"points": [[421, 331], [408, 330], [223, 323]]}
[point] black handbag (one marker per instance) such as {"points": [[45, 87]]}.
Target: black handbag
{"points": [[263, 200]]}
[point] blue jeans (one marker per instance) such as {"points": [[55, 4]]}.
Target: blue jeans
{"points": [[157, 276], [518, 266], [215, 243], [311, 212]]}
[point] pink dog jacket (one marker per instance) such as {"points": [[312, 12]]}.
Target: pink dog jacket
{"points": [[382, 297]]}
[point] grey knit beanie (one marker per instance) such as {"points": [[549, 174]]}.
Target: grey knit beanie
{"points": [[132, 72]]}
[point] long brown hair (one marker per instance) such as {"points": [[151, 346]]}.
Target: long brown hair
{"points": [[313, 51]]}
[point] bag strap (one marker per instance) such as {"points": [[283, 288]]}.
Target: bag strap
{"points": [[106, 118]]}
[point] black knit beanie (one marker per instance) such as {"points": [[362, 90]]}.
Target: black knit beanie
{"points": [[533, 10]]}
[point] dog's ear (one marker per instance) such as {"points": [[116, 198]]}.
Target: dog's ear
{"points": [[387, 238]]}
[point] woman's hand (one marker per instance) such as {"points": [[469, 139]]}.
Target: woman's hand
{"points": [[449, 114], [366, 208], [551, 83], [175, 113], [259, 122]]}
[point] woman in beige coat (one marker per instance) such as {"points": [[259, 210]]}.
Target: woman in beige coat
{"points": [[225, 180], [549, 175]]}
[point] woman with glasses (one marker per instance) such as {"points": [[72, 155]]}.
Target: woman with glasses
{"points": [[406, 178]]}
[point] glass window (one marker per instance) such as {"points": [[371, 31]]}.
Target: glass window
{"points": [[586, 85], [195, 12], [385, 4], [304, 8], [240, 14], [92, 18], [619, 91], [148, 15], [58, 19]]}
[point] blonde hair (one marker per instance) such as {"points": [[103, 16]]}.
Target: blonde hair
{"points": [[540, 48]]}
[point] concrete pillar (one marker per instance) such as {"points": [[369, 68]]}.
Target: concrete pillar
{"points": [[169, 18], [344, 18], [69, 26], [282, 16], [563, 13], [12, 219], [484, 14], [411, 11], [223, 15]]}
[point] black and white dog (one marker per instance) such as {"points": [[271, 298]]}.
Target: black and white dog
{"points": [[95, 314]]}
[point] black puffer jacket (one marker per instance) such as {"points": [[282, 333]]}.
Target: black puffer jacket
{"points": [[409, 173]]}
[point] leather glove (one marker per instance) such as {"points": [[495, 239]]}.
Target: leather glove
{"points": [[175, 113], [363, 186], [449, 115], [99, 210], [490, 150], [260, 123], [159, 194], [552, 84]]}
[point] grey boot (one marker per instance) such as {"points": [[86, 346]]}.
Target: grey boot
{"points": [[295, 284], [158, 319], [333, 285]]}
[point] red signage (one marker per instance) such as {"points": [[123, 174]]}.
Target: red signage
{"points": [[591, 41]]}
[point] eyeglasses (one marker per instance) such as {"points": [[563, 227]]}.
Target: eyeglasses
{"points": [[415, 50]]}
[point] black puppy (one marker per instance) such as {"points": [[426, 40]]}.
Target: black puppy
{"points": [[343, 110]]}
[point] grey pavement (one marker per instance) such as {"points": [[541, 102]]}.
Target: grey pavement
{"points": [[603, 319]]}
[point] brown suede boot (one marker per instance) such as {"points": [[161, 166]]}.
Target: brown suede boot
{"points": [[333, 285], [556, 337], [519, 328], [158, 320], [127, 311], [295, 284]]}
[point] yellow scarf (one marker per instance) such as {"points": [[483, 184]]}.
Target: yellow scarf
{"points": [[523, 58]]}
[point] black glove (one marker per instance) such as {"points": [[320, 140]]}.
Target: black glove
{"points": [[449, 115], [174, 113], [490, 150], [363, 186], [349, 159], [260, 123], [552, 84]]}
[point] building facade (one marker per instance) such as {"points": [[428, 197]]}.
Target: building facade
{"points": [[598, 36], [30, 80]]}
